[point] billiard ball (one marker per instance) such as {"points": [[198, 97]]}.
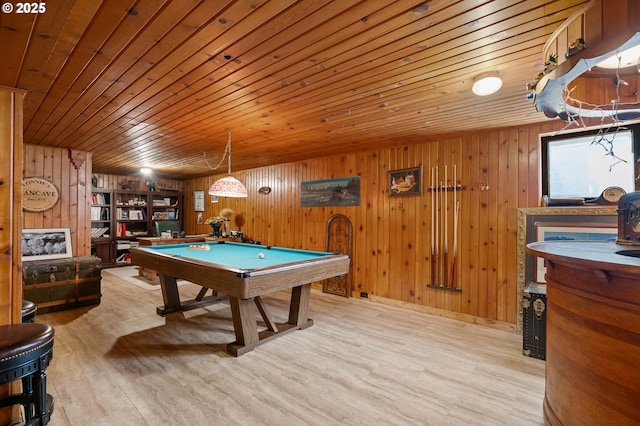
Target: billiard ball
{"points": [[260, 256]]}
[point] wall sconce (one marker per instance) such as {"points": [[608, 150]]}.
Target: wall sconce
{"points": [[487, 83]]}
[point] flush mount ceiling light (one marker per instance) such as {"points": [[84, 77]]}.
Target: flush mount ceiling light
{"points": [[487, 83], [624, 59], [228, 186], [145, 171]]}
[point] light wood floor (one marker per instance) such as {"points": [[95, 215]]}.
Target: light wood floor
{"points": [[361, 363]]}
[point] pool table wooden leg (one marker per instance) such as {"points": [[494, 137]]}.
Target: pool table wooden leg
{"points": [[246, 325], [244, 321], [170, 295], [299, 307]]}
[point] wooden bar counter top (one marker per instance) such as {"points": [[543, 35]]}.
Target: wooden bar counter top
{"points": [[593, 332]]}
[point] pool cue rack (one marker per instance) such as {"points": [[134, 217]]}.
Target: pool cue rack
{"points": [[445, 188], [443, 262]]}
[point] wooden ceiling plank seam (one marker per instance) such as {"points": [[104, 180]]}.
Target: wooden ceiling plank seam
{"points": [[98, 90], [175, 65], [84, 51], [73, 27], [185, 89], [123, 17], [47, 28], [391, 80], [91, 77], [450, 78], [361, 72], [16, 30], [245, 95], [109, 97]]}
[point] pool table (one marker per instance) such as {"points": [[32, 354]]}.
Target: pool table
{"points": [[243, 272]]}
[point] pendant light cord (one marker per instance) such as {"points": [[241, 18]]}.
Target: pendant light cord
{"points": [[227, 152]]}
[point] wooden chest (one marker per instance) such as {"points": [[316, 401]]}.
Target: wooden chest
{"points": [[534, 321], [59, 284]]}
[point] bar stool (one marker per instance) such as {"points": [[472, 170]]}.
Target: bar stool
{"points": [[25, 353], [29, 310]]}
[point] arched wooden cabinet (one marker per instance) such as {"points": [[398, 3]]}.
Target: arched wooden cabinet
{"points": [[339, 240]]}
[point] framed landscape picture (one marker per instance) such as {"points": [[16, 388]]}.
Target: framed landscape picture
{"points": [[46, 243], [330, 192]]}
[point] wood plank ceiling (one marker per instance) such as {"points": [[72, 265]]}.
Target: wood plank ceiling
{"points": [[161, 83]]}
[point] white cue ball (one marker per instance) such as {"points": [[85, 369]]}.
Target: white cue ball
{"points": [[260, 255]]}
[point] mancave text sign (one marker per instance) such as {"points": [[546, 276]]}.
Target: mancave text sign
{"points": [[38, 194]]}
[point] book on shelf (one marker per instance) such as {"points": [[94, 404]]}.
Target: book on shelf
{"points": [[99, 232], [98, 198], [96, 213]]}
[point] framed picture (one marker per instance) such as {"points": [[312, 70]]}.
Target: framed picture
{"points": [[546, 231], [43, 244], [214, 198], [198, 201], [405, 182], [330, 192]]}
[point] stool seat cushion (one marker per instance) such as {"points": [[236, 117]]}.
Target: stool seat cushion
{"points": [[19, 339], [29, 310]]}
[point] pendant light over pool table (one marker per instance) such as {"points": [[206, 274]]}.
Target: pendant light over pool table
{"points": [[228, 186]]}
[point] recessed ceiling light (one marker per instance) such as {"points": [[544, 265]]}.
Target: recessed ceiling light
{"points": [[487, 83]]}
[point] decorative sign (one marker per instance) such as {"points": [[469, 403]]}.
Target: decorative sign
{"points": [[38, 194], [198, 201]]}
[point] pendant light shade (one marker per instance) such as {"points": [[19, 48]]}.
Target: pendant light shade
{"points": [[228, 186]]}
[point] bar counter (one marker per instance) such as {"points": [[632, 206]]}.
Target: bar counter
{"points": [[593, 332]]}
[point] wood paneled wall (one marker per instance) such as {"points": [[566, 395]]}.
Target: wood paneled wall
{"points": [[392, 236], [74, 185]]}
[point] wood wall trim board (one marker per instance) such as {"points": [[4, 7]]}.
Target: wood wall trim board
{"points": [[11, 110]]}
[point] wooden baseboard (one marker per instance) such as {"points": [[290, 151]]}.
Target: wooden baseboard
{"points": [[473, 319]]}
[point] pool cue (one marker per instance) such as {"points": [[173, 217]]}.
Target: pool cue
{"points": [[455, 245], [455, 225], [445, 233], [437, 270], [433, 237], [441, 258]]}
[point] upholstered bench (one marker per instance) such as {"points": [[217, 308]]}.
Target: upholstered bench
{"points": [[25, 353]]}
